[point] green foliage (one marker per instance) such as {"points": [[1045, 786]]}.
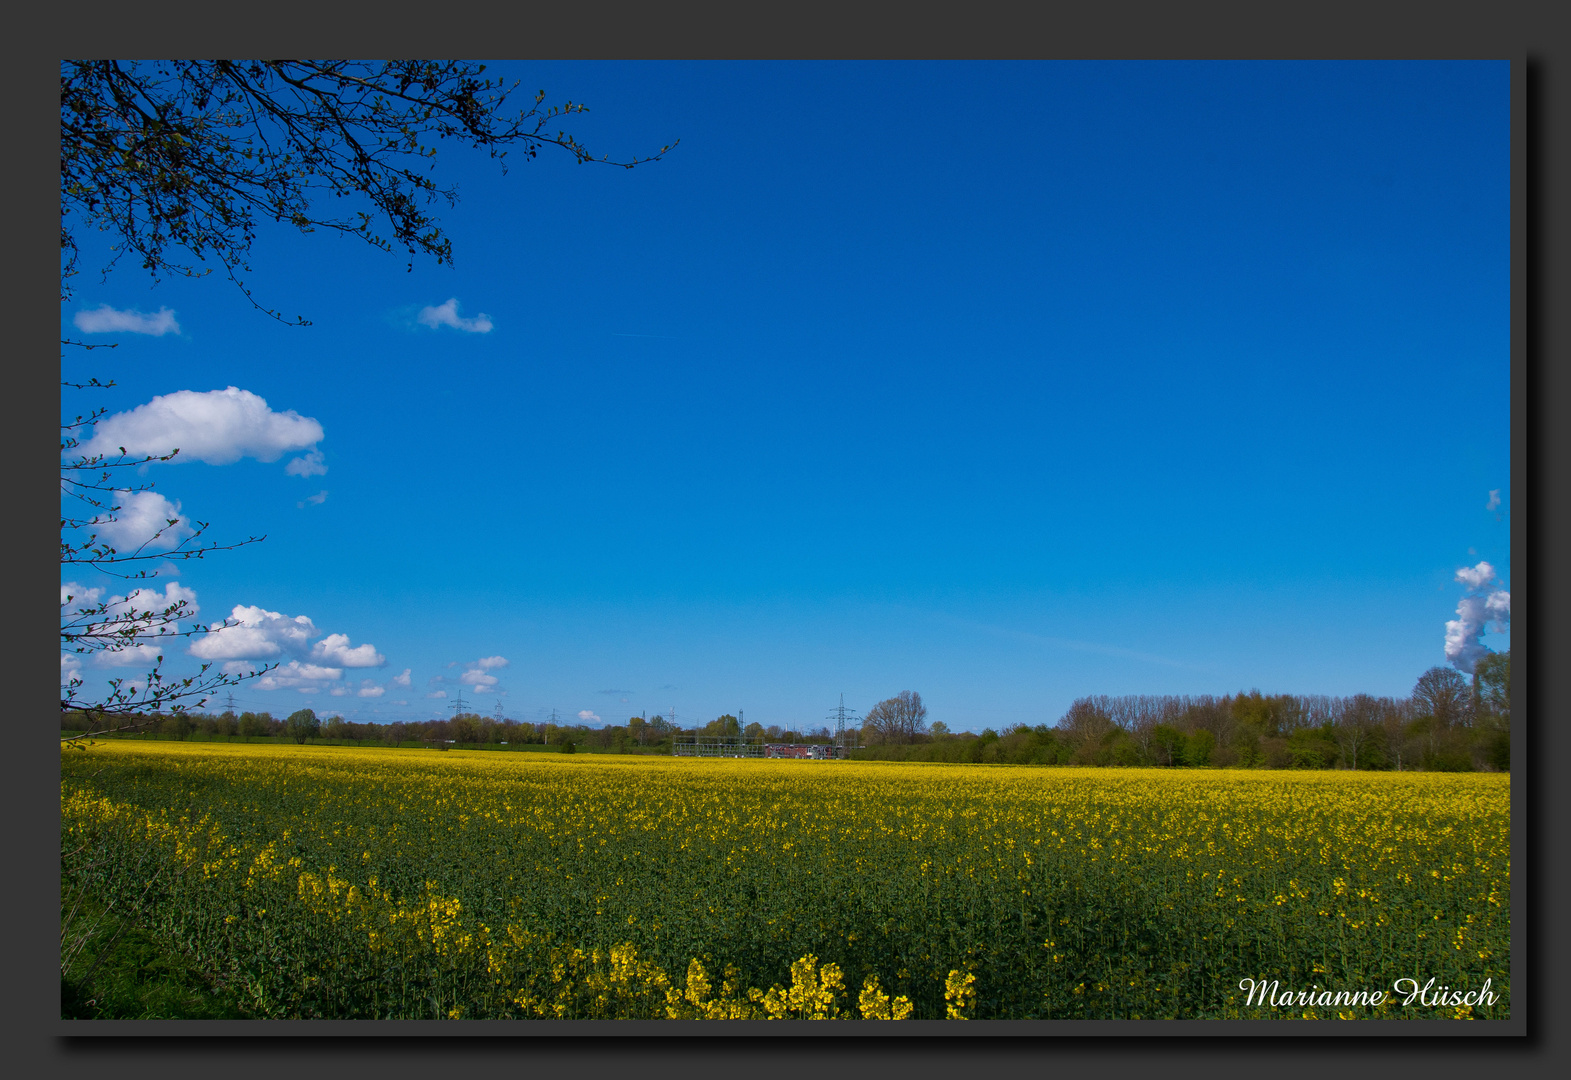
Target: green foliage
{"points": [[1498, 750], [302, 725], [1492, 680], [1312, 748], [1065, 893], [1198, 748], [253, 724], [127, 972]]}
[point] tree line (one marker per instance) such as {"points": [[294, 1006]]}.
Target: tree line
{"points": [[1448, 723], [639, 734]]}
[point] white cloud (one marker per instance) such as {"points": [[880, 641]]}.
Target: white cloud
{"points": [[106, 320], [142, 521], [334, 649], [70, 667], [1476, 577], [78, 596], [313, 464], [315, 500], [339, 691], [218, 427], [1482, 608], [478, 673], [588, 717], [369, 689], [402, 680], [447, 315], [142, 654], [297, 676], [437, 694], [256, 634], [1494, 500], [143, 611]]}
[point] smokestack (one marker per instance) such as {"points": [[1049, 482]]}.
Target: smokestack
{"points": [[1482, 606]]}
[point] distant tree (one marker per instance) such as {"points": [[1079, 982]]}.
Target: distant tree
{"points": [[1357, 727], [1492, 685], [1085, 721], [938, 729], [897, 719], [302, 725], [464, 728], [253, 724], [1444, 693], [177, 724], [1166, 746], [723, 726], [1199, 747]]}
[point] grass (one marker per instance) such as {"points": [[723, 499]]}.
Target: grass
{"points": [[126, 972]]}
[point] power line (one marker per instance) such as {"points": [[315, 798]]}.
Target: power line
{"points": [[840, 716]]}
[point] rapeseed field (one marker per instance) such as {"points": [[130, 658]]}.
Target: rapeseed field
{"points": [[333, 882]]}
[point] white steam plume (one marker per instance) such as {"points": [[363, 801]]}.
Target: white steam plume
{"points": [[1482, 607]]}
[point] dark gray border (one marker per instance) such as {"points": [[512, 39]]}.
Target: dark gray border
{"points": [[1367, 29]]}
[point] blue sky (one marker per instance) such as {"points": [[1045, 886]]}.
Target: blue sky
{"points": [[1005, 383]]}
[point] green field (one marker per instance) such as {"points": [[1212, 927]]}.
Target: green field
{"points": [[338, 882]]}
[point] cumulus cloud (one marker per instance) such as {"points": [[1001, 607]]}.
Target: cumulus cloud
{"points": [[403, 679], [334, 649], [588, 717], [78, 596], [437, 694], [312, 464], [315, 500], [447, 315], [70, 668], [141, 611], [218, 427], [142, 522], [478, 673], [369, 689], [1494, 500], [106, 320], [340, 691], [1483, 607], [297, 676], [256, 634]]}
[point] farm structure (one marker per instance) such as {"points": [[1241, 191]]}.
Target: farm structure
{"points": [[711, 746], [846, 737], [805, 750]]}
